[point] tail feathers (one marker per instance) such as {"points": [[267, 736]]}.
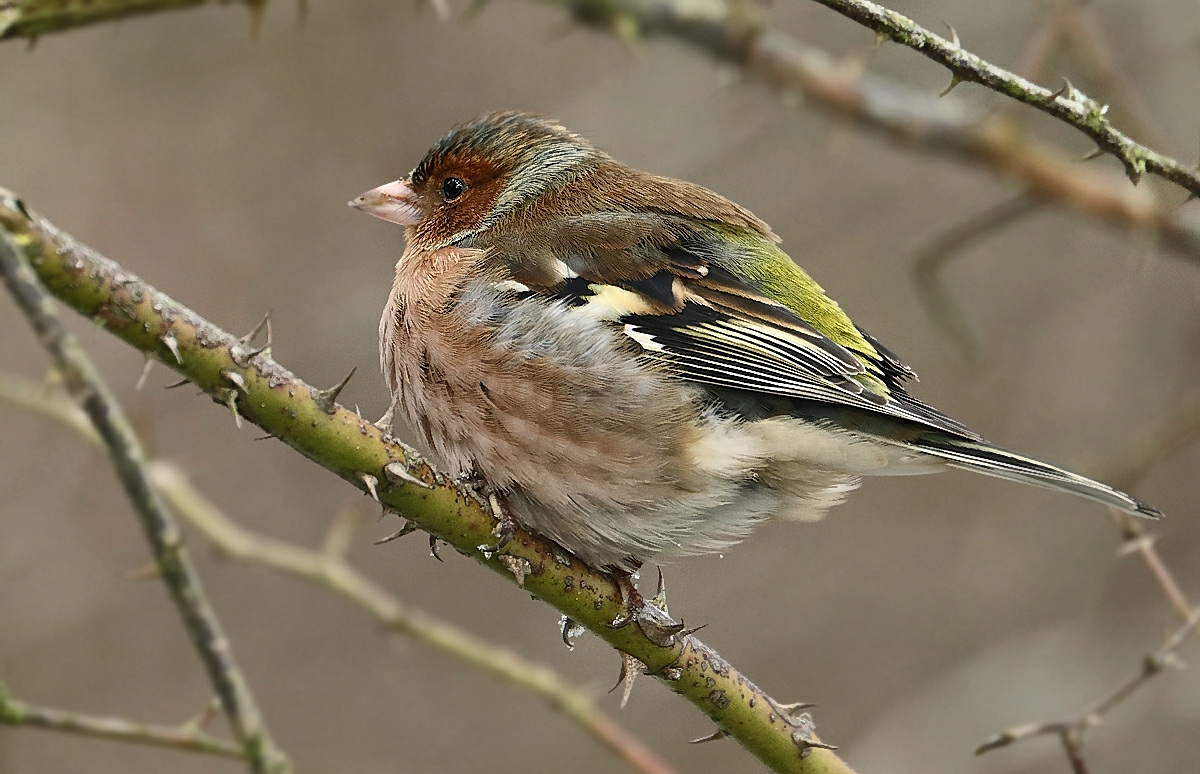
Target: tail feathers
{"points": [[994, 461]]}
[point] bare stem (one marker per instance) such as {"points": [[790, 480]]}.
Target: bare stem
{"points": [[188, 736], [83, 382]]}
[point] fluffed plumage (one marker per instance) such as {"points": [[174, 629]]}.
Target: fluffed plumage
{"points": [[631, 361]]}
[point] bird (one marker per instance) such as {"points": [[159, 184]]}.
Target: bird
{"points": [[631, 365]]}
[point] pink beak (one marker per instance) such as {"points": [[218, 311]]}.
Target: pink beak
{"points": [[394, 202]]}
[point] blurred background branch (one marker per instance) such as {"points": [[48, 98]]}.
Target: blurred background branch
{"points": [[188, 737], [83, 382]]}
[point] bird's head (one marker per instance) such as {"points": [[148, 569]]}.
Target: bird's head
{"points": [[476, 175]]}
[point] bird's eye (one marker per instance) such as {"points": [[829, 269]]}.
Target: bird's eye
{"points": [[452, 188]]}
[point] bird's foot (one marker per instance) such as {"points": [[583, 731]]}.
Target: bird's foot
{"points": [[506, 524]]}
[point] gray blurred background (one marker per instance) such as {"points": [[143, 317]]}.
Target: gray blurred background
{"points": [[924, 615]]}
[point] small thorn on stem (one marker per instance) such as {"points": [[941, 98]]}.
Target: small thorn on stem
{"points": [[265, 322], [371, 483], [631, 668], [326, 400], [714, 736], [954, 41], [955, 79], [229, 398], [175, 385], [237, 380], [408, 528], [171, 343], [141, 382], [398, 471], [433, 548]]}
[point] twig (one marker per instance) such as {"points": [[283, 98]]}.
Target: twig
{"points": [[1068, 104], [339, 440], [1071, 732], [83, 382], [183, 737]]}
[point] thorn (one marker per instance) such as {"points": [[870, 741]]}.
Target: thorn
{"points": [[326, 400], [1095, 154], [179, 383], [141, 382], [1134, 169], [688, 632], [371, 483], [955, 79], [433, 548], [265, 322], [237, 380], [570, 630], [229, 398], [518, 566], [398, 471], [266, 437], [384, 423], [630, 669], [243, 358], [804, 736], [408, 528], [659, 599], [714, 736], [953, 36], [793, 713], [1066, 90], [171, 343]]}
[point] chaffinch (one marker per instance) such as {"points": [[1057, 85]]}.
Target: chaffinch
{"points": [[630, 363]]}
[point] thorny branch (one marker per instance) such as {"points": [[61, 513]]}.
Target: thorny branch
{"points": [[188, 737], [1067, 104], [84, 384], [260, 390]]}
